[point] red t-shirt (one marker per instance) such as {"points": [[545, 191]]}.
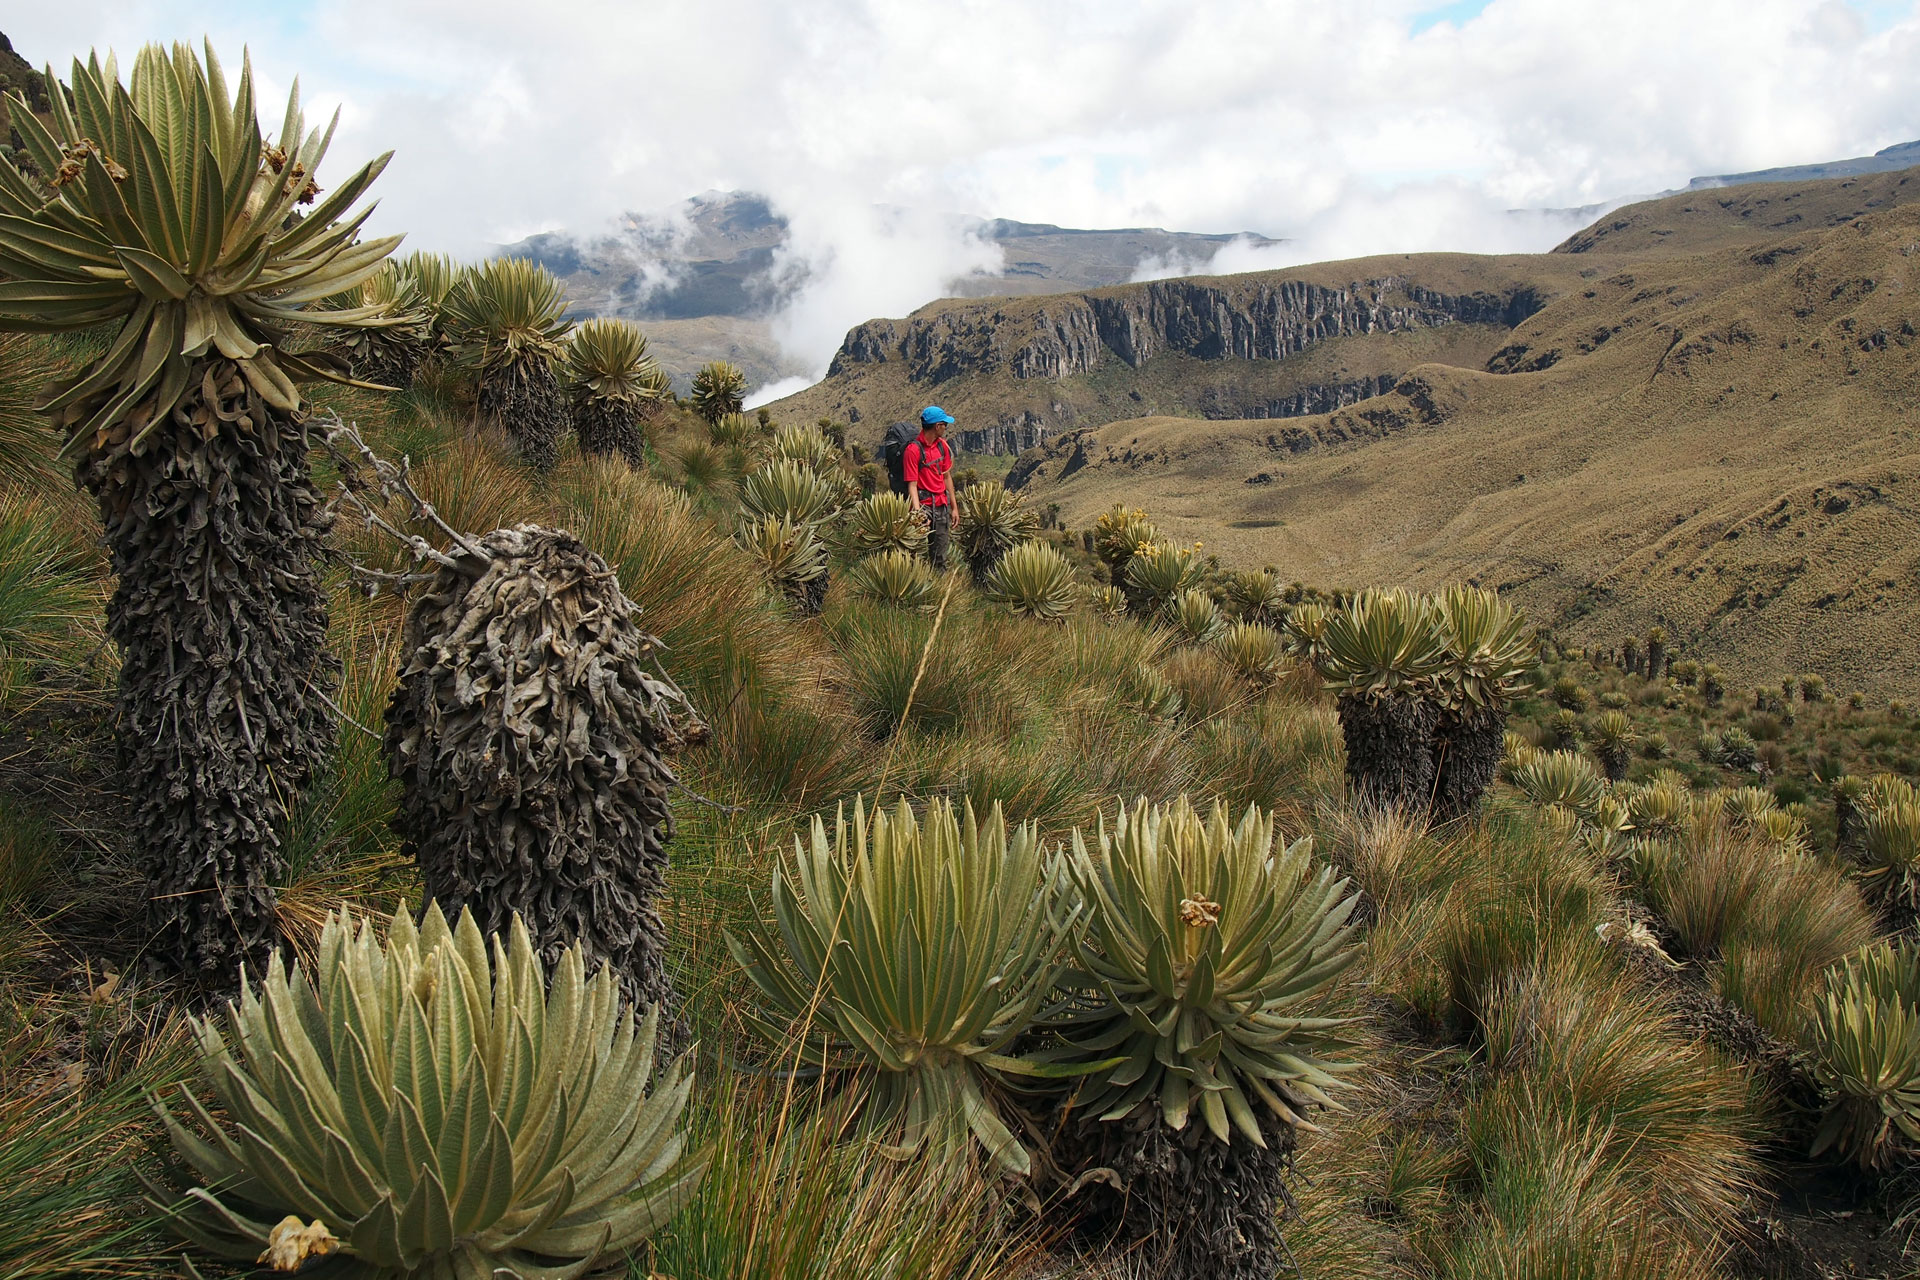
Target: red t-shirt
{"points": [[928, 467]]}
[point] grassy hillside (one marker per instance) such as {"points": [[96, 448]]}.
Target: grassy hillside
{"points": [[1530, 1088], [1026, 368], [963, 353], [1466, 976], [1705, 219], [1723, 443]]}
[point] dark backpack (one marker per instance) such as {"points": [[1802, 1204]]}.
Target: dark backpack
{"points": [[893, 454]]}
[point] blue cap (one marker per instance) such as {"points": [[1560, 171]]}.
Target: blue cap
{"points": [[932, 414]]}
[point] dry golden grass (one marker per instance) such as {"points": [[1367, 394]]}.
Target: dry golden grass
{"points": [[1721, 443]]}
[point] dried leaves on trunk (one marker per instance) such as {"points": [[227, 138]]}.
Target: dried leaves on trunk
{"points": [[608, 426], [1389, 749], [1187, 1206], [1467, 746], [386, 357], [214, 527], [531, 740], [523, 398]]}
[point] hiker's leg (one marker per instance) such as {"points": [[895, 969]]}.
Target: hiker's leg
{"points": [[939, 528]]}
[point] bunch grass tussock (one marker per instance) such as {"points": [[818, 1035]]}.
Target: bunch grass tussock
{"points": [[1775, 920]]}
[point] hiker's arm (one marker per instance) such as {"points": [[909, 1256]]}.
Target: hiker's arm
{"points": [[913, 493]]}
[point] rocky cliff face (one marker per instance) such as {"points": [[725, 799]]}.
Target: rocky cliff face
{"points": [[1208, 320]]}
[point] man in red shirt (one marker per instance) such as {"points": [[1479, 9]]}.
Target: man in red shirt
{"points": [[927, 462]]}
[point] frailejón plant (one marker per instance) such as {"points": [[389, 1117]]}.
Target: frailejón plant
{"points": [[885, 522], [1488, 655], [1206, 952], [1865, 1042], [611, 381], [431, 1108], [914, 955], [508, 315], [196, 244], [1033, 580], [718, 389], [1381, 655], [896, 578], [989, 520]]}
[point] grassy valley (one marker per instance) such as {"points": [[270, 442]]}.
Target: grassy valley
{"points": [[1721, 443]]}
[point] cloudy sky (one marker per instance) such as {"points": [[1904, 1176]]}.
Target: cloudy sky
{"points": [[1350, 126]]}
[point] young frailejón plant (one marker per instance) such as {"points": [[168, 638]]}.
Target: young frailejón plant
{"points": [[1890, 846], [1256, 596], [1205, 951], [1865, 1042], [434, 275], [1118, 536], [719, 389], [792, 556], [1611, 738], [1304, 634], [785, 509], [810, 447], [1192, 618], [914, 956], [1488, 655], [531, 739], [1382, 655], [172, 221], [391, 354], [1562, 781], [989, 521], [508, 315], [885, 522], [610, 382], [430, 1108], [1034, 581], [1252, 649], [895, 578], [1156, 574], [786, 489]]}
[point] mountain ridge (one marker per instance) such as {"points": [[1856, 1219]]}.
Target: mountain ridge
{"points": [[1725, 443], [1065, 368]]}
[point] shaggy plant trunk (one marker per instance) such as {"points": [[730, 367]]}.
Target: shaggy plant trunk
{"points": [[1188, 1206], [1656, 659], [221, 620], [1389, 749], [523, 398], [1467, 746], [1846, 825], [1613, 761], [982, 563], [387, 360], [808, 597], [531, 743], [607, 427]]}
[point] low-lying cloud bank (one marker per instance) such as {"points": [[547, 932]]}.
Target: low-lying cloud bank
{"points": [[1369, 126]]}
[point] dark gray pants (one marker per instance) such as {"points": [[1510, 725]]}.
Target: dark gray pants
{"points": [[939, 534]]}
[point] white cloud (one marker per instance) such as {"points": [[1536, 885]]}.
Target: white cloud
{"points": [[776, 390], [844, 263], [1335, 126]]}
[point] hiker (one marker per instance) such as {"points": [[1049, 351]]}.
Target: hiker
{"points": [[925, 463]]}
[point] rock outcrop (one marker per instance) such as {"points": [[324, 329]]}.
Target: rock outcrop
{"points": [[1261, 319]]}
